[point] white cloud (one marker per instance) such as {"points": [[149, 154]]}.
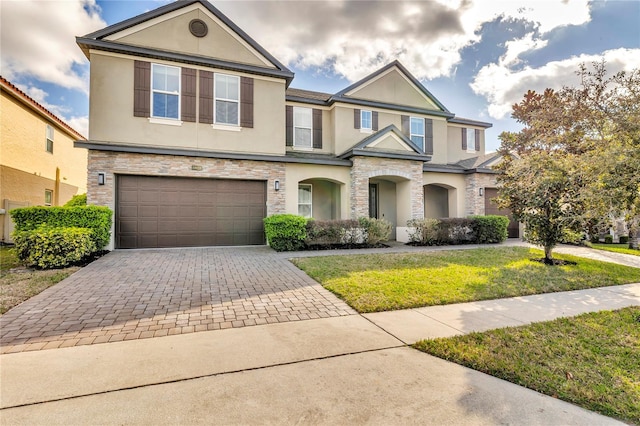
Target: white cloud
{"points": [[38, 40], [503, 86], [516, 47], [354, 38]]}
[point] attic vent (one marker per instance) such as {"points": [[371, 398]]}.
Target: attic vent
{"points": [[198, 28]]}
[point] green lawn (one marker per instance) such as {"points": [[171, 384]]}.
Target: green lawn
{"points": [[8, 259], [383, 282], [616, 248], [592, 360]]}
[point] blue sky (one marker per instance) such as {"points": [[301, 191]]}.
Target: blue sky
{"points": [[476, 57]]}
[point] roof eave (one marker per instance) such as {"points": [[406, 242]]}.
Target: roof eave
{"points": [[394, 107]]}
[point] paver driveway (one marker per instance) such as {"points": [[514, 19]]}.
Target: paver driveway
{"points": [[136, 294]]}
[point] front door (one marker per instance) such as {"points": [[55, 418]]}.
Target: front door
{"points": [[373, 200]]}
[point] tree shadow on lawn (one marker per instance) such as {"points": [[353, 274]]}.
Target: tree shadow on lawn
{"points": [[381, 282]]}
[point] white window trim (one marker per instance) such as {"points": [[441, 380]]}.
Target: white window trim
{"points": [[310, 204], [411, 134], [471, 147], [166, 121], [362, 112], [48, 191], [298, 147], [226, 127], [47, 138], [161, 120], [216, 98]]}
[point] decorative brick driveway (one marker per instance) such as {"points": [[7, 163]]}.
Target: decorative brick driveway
{"points": [[149, 293]]}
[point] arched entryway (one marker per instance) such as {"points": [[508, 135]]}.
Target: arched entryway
{"points": [[319, 198], [439, 201]]}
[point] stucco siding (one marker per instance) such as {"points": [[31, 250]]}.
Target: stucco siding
{"points": [[393, 88], [454, 143], [112, 120]]}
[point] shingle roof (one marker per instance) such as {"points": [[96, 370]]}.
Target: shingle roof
{"points": [[309, 94], [9, 87], [479, 161]]}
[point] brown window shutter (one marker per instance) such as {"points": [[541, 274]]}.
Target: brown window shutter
{"points": [[289, 125], [374, 121], [317, 128], [428, 136], [246, 102], [188, 95], [206, 97], [141, 89], [464, 139], [356, 118], [406, 125], [477, 140]]}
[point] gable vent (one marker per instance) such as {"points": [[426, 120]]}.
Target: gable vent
{"points": [[198, 28]]}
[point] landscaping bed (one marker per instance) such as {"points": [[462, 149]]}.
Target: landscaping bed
{"points": [[384, 282], [592, 360]]}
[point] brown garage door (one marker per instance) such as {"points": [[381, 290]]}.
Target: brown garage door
{"points": [[491, 208], [187, 212]]}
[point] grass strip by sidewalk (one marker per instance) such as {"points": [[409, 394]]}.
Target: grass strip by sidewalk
{"points": [[592, 360], [383, 282], [616, 248]]}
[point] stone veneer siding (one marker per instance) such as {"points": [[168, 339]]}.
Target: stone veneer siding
{"points": [[474, 202], [112, 163], [365, 168]]}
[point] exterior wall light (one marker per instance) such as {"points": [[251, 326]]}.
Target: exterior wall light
{"points": [[101, 178], [276, 185], [481, 191]]}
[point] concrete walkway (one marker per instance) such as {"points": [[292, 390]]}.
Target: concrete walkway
{"points": [[350, 369]]}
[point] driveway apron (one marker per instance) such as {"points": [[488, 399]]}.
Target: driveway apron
{"points": [[137, 294]]}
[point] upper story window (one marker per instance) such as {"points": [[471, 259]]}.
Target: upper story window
{"points": [[302, 127], [470, 140], [417, 131], [165, 94], [366, 122], [227, 99], [49, 139]]}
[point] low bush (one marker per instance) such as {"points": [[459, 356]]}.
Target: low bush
{"points": [[571, 237], [490, 229], [77, 201], [285, 232], [95, 218], [48, 247], [375, 230], [451, 231], [594, 238], [624, 239], [333, 232], [608, 239]]}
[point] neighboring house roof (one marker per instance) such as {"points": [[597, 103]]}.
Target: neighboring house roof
{"points": [[480, 162], [97, 40], [8, 87], [365, 147]]}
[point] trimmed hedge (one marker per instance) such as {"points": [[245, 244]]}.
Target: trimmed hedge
{"points": [[453, 231], [47, 247], [95, 218], [285, 232], [77, 201], [624, 239], [362, 232]]}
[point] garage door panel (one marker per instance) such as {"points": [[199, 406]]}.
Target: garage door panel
{"points": [[176, 212], [491, 208]]}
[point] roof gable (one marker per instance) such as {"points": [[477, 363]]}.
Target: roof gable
{"points": [[389, 142], [164, 32], [393, 84]]}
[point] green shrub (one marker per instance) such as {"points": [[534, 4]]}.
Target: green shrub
{"points": [[571, 237], [97, 219], [423, 232], [594, 238], [455, 231], [624, 239], [489, 229], [285, 232], [77, 201], [326, 233], [47, 247], [608, 239], [375, 230]]}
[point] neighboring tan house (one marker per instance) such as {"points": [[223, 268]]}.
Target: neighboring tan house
{"points": [[39, 166], [195, 137]]}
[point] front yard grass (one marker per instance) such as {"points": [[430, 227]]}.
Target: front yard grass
{"points": [[18, 283], [383, 282], [616, 248], [592, 360]]}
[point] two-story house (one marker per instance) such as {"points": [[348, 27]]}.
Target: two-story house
{"points": [[39, 165], [196, 136]]}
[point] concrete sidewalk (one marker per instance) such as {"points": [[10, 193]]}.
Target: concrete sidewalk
{"points": [[350, 369]]}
